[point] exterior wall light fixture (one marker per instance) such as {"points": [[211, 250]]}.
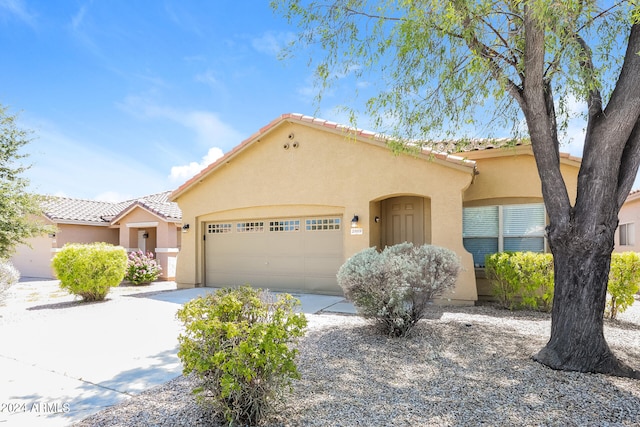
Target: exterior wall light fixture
{"points": [[185, 227], [354, 221]]}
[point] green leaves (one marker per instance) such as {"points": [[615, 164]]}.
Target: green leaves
{"points": [[434, 63], [89, 271], [624, 278], [238, 342], [18, 209], [521, 279]]}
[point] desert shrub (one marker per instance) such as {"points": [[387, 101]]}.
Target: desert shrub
{"points": [[624, 277], [521, 279], [394, 287], [238, 342], [89, 271], [142, 268], [9, 275], [505, 283]]}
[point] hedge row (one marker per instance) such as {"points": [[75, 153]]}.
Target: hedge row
{"points": [[524, 280]]}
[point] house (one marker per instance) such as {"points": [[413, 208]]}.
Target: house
{"points": [[287, 206], [150, 224], [626, 238]]}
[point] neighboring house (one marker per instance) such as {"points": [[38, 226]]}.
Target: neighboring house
{"points": [[627, 238], [150, 224], [286, 207]]}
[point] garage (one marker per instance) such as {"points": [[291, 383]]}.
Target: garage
{"points": [[302, 253]]}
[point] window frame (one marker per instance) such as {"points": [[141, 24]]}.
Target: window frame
{"points": [[629, 234], [501, 226]]}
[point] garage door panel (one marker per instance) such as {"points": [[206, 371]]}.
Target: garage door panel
{"points": [[219, 279], [286, 282], [283, 254], [321, 265], [323, 243], [291, 244]]}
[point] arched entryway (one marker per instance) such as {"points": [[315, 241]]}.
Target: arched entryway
{"points": [[401, 219]]}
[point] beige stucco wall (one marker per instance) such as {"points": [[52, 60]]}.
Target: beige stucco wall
{"points": [[629, 213], [327, 174], [511, 175], [74, 233]]}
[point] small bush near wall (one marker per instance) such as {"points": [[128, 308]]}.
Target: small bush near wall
{"points": [[237, 341], [394, 287], [9, 275], [624, 277], [142, 268], [89, 271], [521, 279]]}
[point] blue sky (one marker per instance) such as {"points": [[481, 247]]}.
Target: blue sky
{"points": [[132, 97]]}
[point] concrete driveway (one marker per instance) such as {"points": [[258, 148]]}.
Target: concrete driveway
{"points": [[62, 360]]}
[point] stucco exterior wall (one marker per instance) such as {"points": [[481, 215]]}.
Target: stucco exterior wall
{"points": [[326, 174], [511, 174], [73, 233], [629, 214]]}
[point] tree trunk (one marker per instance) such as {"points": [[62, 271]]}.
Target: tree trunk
{"points": [[577, 340]]}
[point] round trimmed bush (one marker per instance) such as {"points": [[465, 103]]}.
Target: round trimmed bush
{"points": [[89, 271], [394, 287]]}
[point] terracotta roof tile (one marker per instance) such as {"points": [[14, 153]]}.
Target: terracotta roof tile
{"points": [[60, 209]]}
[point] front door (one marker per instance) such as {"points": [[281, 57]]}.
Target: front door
{"points": [[402, 220], [142, 241]]}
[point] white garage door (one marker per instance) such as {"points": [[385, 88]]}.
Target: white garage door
{"points": [[289, 254]]}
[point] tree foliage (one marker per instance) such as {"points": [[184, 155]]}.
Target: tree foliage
{"points": [[443, 65], [18, 208], [440, 67]]}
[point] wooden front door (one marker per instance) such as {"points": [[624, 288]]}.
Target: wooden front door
{"points": [[403, 220]]}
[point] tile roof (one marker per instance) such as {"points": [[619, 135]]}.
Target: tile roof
{"points": [[63, 209]]}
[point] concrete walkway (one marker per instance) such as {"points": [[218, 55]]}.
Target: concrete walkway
{"points": [[61, 360]]}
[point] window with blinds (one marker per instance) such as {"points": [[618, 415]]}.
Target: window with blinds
{"points": [[626, 234], [491, 229]]}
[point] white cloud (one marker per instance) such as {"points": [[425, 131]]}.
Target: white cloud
{"points": [[272, 42], [18, 8], [72, 167], [210, 130], [184, 172]]}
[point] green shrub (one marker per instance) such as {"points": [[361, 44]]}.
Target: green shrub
{"points": [[394, 287], [89, 271], [9, 275], [624, 277], [237, 341], [521, 279], [142, 268]]}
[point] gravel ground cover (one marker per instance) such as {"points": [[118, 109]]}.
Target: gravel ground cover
{"points": [[466, 366]]}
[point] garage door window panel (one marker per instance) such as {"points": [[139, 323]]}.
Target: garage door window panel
{"points": [[220, 228], [284, 225], [322, 224]]}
